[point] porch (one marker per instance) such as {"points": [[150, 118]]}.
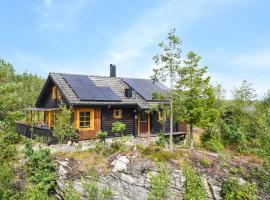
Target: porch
{"points": [[38, 123]]}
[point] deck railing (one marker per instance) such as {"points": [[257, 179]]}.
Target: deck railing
{"points": [[32, 131]]}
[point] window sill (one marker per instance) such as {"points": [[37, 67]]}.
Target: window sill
{"points": [[85, 129]]}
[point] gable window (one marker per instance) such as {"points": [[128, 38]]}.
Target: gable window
{"points": [[85, 119], [117, 113], [55, 93]]}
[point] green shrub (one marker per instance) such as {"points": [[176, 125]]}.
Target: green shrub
{"points": [[233, 190], [102, 135], [118, 127], [160, 184], [40, 167], [194, 184], [63, 128], [94, 193], [205, 162], [210, 141], [70, 193], [263, 176], [214, 145], [236, 170], [161, 141], [105, 194], [157, 153], [91, 189], [8, 155], [117, 146], [148, 150], [35, 192], [74, 137], [232, 134]]}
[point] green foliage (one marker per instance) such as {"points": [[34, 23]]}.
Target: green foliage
{"points": [[35, 192], [118, 145], [160, 184], [71, 193], [63, 128], [118, 127], [245, 93], [210, 141], [91, 189], [6, 176], [8, 157], [40, 167], [161, 141], [234, 190], [205, 162], [263, 177], [109, 149], [94, 193], [102, 135], [168, 64], [231, 134], [157, 153], [15, 90], [105, 194], [194, 184], [195, 95]]}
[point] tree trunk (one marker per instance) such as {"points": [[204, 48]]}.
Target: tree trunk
{"points": [[171, 111], [171, 125], [191, 136]]}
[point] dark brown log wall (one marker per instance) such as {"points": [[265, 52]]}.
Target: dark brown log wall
{"points": [[108, 120]]}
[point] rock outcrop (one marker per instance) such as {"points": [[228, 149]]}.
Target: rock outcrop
{"points": [[129, 178]]}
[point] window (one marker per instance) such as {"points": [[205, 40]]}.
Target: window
{"points": [[117, 113], [144, 117], [85, 119], [55, 93]]}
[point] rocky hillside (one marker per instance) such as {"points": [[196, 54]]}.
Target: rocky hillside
{"points": [[133, 172]]}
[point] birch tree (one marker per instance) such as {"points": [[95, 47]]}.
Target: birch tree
{"points": [[168, 64]]}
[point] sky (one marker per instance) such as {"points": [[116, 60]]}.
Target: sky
{"points": [[86, 36]]}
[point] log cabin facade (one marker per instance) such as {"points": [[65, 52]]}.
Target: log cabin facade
{"points": [[98, 102]]}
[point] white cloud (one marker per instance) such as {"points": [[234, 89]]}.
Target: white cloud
{"points": [[130, 48], [256, 60], [59, 15]]}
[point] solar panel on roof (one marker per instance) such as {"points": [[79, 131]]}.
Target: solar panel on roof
{"points": [[145, 87], [109, 94], [86, 90]]}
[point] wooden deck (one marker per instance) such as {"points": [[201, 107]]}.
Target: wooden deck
{"points": [[175, 134], [31, 131]]}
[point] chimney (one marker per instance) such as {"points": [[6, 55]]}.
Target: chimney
{"points": [[112, 70]]}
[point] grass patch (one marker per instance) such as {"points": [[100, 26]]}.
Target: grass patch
{"points": [[157, 153], [87, 159], [160, 183], [194, 184], [205, 162]]}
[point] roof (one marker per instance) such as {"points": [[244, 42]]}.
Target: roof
{"points": [[140, 95], [40, 109]]}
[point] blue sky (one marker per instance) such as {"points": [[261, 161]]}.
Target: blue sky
{"points": [[85, 36]]}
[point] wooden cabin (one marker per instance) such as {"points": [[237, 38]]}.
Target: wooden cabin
{"points": [[98, 102]]}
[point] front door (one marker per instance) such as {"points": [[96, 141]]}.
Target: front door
{"points": [[143, 122]]}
